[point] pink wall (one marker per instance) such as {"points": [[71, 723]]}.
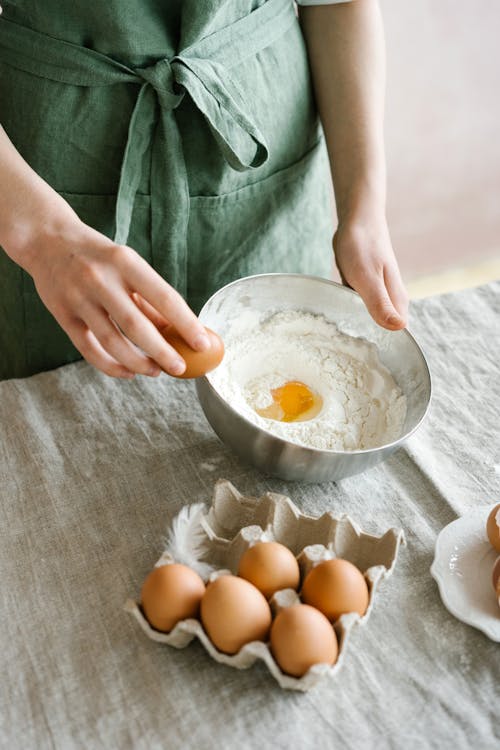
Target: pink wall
{"points": [[443, 131]]}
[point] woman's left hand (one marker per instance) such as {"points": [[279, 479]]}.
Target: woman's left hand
{"points": [[366, 261]]}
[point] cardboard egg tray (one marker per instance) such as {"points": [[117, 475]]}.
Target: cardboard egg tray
{"points": [[234, 522]]}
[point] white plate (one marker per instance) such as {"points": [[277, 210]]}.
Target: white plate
{"points": [[462, 567]]}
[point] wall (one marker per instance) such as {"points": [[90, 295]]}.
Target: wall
{"points": [[443, 131]]}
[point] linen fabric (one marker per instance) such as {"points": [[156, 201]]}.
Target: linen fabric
{"points": [[92, 472], [186, 129]]}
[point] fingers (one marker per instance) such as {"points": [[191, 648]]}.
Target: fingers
{"points": [[140, 330], [158, 320], [166, 301], [396, 290], [90, 348], [373, 290], [110, 302], [114, 343], [367, 264]]}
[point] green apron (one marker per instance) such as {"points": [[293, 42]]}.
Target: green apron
{"points": [[186, 129]]}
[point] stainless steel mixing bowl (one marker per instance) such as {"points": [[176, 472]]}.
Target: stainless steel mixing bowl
{"points": [[268, 293]]}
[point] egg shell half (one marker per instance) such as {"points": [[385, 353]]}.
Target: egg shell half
{"points": [[495, 578], [493, 527]]}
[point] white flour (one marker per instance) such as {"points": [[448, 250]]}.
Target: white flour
{"points": [[362, 405]]}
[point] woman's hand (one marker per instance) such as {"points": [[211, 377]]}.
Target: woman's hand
{"points": [[92, 287], [366, 262], [105, 296], [345, 42]]}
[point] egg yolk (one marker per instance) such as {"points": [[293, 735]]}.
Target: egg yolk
{"points": [[292, 402]]}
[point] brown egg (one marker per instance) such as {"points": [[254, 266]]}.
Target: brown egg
{"points": [[234, 612], [171, 593], [300, 637], [336, 587], [270, 566], [197, 363], [493, 527]]}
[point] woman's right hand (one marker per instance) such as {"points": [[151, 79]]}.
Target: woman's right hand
{"points": [[105, 296], [90, 285]]}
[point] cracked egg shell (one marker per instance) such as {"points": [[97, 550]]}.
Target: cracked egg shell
{"points": [[496, 578], [493, 527]]}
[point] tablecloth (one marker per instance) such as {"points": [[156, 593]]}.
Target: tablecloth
{"points": [[93, 470]]}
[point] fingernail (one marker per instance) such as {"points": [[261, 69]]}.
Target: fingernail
{"points": [[177, 367], [127, 375], [202, 342], [153, 372], [394, 320]]}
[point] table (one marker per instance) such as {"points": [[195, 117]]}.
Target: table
{"points": [[93, 470]]}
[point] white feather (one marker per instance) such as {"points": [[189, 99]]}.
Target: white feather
{"points": [[187, 541]]}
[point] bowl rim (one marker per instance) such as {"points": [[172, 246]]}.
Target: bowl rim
{"points": [[309, 449]]}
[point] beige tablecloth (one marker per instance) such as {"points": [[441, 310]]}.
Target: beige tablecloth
{"points": [[91, 473]]}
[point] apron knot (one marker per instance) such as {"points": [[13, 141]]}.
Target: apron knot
{"points": [[204, 71], [162, 78]]}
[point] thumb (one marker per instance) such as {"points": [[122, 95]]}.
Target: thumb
{"points": [[379, 304]]}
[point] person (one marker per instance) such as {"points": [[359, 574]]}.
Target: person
{"points": [[151, 152]]}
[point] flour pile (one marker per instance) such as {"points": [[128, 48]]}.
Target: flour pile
{"points": [[362, 405]]}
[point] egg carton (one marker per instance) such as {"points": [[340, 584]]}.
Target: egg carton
{"points": [[232, 524]]}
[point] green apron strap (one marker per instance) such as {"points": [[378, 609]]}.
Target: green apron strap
{"points": [[201, 70], [246, 37], [238, 138], [140, 133], [46, 57]]}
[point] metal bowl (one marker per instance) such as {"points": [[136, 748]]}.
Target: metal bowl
{"points": [[269, 293]]}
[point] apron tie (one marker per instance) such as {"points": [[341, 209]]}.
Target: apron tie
{"points": [[162, 79], [201, 70]]}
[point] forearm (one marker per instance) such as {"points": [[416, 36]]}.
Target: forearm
{"points": [[347, 57], [28, 205]]}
